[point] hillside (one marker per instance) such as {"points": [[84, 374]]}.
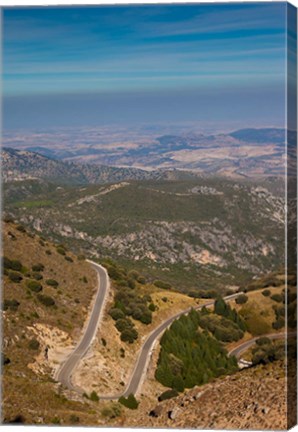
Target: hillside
{"points": [[261, 404], [195, 234], [21, 165], [46, 294], [46, 298]]}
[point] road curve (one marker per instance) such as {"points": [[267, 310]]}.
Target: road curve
{"points": [[144, 354], [67, 368], [65, 372], [240, 349]]}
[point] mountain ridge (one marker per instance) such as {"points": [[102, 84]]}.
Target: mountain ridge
{"points": [[23, 164]]}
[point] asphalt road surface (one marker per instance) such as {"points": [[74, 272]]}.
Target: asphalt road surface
{"points": [[240, 349], [65, 373], [145, 352]]}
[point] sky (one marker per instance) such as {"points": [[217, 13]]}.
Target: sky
{"points": [[66, 66]]}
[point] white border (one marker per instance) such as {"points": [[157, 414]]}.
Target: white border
{"points": [[11, 3]]}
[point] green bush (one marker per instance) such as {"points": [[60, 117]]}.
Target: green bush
{"points": [[6, 263], [69, 259], [147, 298], [38, 267], [46, 300], [277, 297], [37, 276], [74, 419], [267, 353], [4, 359], [146, 317], [263, 341], [141, 280], [279, 323], [112, 411], [16, 265], [266, 293], [208, 294], [162, 284], [94, 397], [52, 282], [55, 420], [34, 344], [131, 283], [129, 402], [129, 335], [116, 314], [133, 274], [14, 276], [114, 273], [168, 394], [10, 304], [152, 307], [21, 228], [60, 250], [34, 285], [241, 299], [123, 324]]}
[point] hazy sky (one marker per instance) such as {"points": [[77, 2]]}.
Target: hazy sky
{"points": [[97, 65]]}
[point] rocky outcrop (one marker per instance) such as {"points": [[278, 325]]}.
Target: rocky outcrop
{"points": [[254, 398]]}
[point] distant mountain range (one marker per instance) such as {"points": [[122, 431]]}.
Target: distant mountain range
{"points": [[109, 158]]}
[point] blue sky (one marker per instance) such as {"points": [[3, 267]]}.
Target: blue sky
{"points": [[216, 59]]}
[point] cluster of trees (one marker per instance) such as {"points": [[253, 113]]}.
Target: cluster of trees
{"points": [[129, 402], [168, 394], [265, 282], [189, 357], [13, 269], [128, 301], [266, 351], [10, 305], [121, 276], [280, 311], [222, 328], [205, 294], [241, 299], [162, 284], [16, 271], [223, 309]]}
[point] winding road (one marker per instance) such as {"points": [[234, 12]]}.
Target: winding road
{"points": [[237, 351], [66, 371]]}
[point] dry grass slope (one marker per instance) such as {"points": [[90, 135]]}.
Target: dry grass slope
{"points": [[31, 325]]}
